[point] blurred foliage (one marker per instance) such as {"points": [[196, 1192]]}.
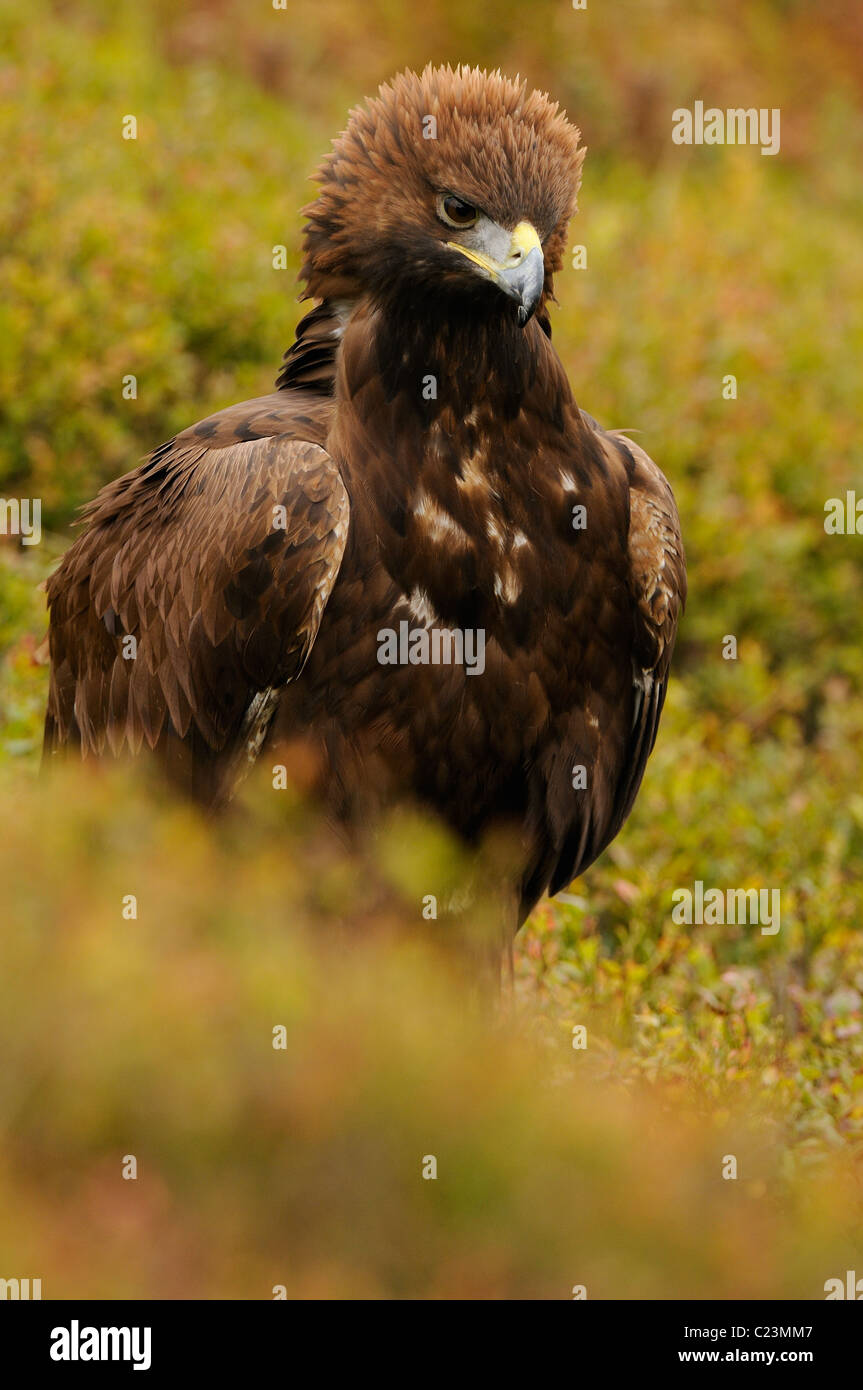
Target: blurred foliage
{"points": [[557, 1167], [261, 1166]]}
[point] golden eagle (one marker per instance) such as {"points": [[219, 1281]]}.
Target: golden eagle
{"points": [[417, 557]]}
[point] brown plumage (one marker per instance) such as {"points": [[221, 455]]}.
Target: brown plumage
{"points": [[422, 461]]}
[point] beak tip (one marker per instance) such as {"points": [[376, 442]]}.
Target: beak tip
{"points": [[525, 283]]}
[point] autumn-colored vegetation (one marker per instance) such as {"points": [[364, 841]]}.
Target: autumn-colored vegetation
{"points": [[302, 1166]]}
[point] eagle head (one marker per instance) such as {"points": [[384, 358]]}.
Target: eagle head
{"points": [[451, 187]]}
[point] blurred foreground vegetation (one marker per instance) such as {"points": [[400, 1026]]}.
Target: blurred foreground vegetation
{"points": [[556, 1167], [302, 1166]]}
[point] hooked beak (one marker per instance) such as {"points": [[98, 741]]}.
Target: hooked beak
{"points": [[521, 275]]}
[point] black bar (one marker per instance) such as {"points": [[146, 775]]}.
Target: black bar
{"points": [[220, 1338]]}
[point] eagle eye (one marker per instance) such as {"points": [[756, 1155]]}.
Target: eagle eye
{"points": [[455, 211]]}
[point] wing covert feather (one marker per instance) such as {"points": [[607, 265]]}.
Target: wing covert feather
{"points": [[218, 562]]}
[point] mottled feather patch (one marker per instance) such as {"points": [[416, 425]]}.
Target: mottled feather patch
{"points": [[437, 524], [507, 585], [421, 608]]}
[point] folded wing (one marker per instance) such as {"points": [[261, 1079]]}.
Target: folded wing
{"points": [[197, 588]]}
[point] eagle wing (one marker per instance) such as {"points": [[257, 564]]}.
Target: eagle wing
{"points": [[658, 582], [657, 587], [216, 558]]}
